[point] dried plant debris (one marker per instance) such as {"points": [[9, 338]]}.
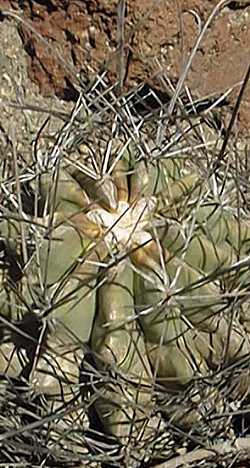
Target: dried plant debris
{"points": [[124, 276]]}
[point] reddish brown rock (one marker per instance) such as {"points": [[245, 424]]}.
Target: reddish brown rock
{"points": [[82, 36]]}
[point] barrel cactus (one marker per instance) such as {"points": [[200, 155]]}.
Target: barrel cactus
{"points": [[124, 286]]}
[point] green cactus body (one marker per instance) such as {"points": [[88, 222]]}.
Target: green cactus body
{"points": [[62, 192], [169, 338], [130, 262], [198, 252], [117, 341], [219, 226]]}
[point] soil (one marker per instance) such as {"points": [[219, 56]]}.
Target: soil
{"points": [[67, 42]]}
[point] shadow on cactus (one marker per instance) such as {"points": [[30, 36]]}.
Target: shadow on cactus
{"points": [[124, 290]]}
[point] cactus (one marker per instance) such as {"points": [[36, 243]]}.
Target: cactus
{"points": [[125, 267], [123, 292]]}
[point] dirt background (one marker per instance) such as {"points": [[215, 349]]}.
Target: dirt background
{"points": [[79, 38]]}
